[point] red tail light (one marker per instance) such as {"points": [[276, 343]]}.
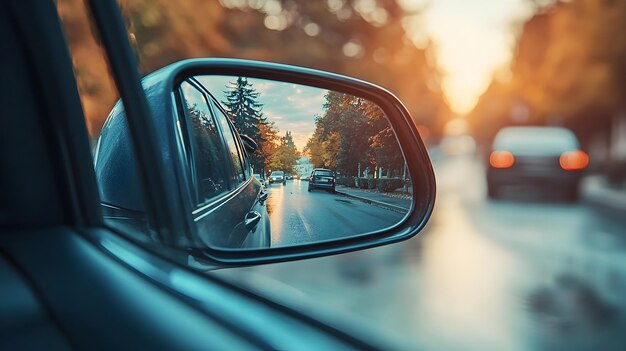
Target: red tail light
{"points": [[501, 159], [574, 160], [311, 179]]}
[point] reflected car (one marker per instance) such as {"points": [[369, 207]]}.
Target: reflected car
{"points": [[277, 177], [322, 178], [288, 176], [548, 157]]}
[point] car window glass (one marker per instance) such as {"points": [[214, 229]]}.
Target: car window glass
{"points": [[534, 140], [324, 173], [244, 158], [183, 136], [231, 145], [208, 159]]}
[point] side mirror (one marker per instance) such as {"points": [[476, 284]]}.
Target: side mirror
{"points": [[368, 180], [249, 144]]}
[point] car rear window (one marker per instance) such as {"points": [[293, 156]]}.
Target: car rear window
{"points": [[324, 173], [539, 140]]}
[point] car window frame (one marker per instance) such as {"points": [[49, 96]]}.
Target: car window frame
{"points": [[216, 108], [183, 144], [196, 204], [243, 155]]}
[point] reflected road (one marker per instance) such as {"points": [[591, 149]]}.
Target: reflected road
{"points": [[519, 273], [300, 217]]}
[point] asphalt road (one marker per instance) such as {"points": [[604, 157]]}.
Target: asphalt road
{"points": [[300, 217], [521, 273]]}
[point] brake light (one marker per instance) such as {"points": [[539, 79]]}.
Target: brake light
{"points": [[501, 159], [311, 179], [574, 160]]}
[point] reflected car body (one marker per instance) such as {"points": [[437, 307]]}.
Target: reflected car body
{"points": [[288, 176], [536, 156], [220, 197], [277, 177], [322, 178], [260, 178]]}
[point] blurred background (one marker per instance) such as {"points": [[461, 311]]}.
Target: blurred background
{"points": [[527, 269]]}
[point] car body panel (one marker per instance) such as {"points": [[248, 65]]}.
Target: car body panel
{"points": [[225, 213]]}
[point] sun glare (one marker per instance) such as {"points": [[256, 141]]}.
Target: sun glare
{"points": [[472, 40]]}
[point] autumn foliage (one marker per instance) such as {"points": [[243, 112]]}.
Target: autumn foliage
{"points": [[569, 69], [347, 37], [353, 134]]}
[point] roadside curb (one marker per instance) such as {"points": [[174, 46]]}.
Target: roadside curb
{"points": [[391, 207]]}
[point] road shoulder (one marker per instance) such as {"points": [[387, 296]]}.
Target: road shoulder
{"points": [[397, 204]]}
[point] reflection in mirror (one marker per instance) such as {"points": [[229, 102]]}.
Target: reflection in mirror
{"points": [[327, 164]]}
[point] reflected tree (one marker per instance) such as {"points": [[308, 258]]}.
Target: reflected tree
{"points": [[352, 134]]}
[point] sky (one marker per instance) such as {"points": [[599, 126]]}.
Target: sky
{"points": [[291, 107], [473, 39]]}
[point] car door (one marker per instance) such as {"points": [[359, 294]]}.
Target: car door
{"points": [[255, 225], [226, 212]]}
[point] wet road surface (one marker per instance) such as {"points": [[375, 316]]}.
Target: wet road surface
{"points": [[520, 273], [300, 217]]}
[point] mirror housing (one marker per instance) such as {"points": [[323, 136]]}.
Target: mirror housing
{"points": [[159, 87]]}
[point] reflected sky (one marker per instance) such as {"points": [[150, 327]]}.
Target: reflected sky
{"points": [[292, 107]]}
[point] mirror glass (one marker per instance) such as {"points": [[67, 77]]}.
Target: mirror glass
{"points": [[327, 165]]}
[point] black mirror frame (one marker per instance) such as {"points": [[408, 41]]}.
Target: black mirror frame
{"points": [[413, 149]]}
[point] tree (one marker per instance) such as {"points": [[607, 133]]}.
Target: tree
{"points": [[331, 147], [285, 156], [383, 143], [340, 140], [352, 132], [314, 146], [568, 69], [381, 49], [289, 139], [246, 113], [268, 143]]}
